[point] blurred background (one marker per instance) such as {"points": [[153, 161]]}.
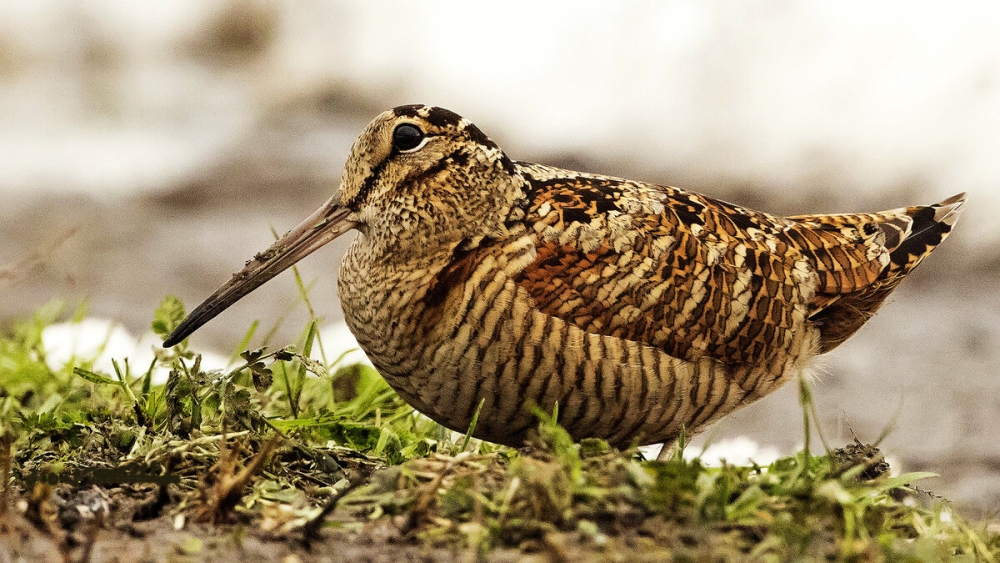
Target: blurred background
{"points": [[148, 148]]}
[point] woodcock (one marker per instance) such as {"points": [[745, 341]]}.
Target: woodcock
{"points": [[641, 310]]}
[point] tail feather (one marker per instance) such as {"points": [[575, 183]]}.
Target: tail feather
{"points": [[883, 248], [929, 226]]}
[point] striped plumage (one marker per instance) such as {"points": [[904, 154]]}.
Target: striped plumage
{"points": [[640, 309]]}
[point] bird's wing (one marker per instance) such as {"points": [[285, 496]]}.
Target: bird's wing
{"points": [[679, 271]]}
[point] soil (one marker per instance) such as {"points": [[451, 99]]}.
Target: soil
{"points": [[158, 540]]}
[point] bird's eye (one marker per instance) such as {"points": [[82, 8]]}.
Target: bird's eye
{"points": [[407, 137]]}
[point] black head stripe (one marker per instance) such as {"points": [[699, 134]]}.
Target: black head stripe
{"points": [[369, 184], [412, 110], [479, 137], [440, 117]]}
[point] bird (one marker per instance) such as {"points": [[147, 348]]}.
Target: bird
{"points": [[483, 286]]}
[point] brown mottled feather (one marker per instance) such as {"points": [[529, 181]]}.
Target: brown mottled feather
{"points": [[901, 238], [684, 299], [685, 273]]}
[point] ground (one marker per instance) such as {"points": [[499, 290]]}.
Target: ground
{"points": [[286, 458]]}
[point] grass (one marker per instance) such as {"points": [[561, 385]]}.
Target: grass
{"points": [[306, 452]]}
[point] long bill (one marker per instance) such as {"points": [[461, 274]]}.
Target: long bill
{"points": [[327, 223]]}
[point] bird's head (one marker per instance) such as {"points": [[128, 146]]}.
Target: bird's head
{"points": [[420, 180]]}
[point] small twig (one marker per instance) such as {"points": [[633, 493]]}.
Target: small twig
{"points": [[310, 532], [221, 489]]}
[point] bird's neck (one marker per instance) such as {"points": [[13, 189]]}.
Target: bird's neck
{"points": [[383, 300]]}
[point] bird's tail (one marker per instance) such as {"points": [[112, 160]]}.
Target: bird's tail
{"points": [[862, 257]]}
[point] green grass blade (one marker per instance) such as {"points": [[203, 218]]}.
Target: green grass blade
{"points": [[93, 377], [245, 343], [472, 425]]}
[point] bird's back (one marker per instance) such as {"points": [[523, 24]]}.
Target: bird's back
{"points": [[697, 277]]}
